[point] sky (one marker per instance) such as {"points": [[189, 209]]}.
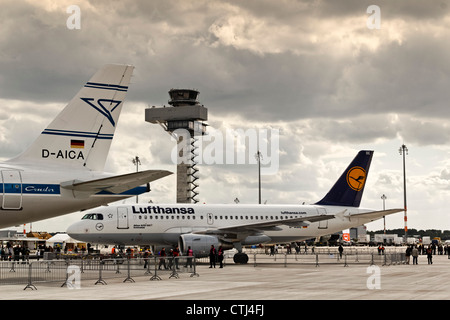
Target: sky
{"points": [[331, 77]]}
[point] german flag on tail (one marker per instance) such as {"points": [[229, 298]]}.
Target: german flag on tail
{"points": [[77, 144]]}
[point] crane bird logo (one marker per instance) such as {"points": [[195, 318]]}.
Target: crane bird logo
{"points": [[356, 177]]}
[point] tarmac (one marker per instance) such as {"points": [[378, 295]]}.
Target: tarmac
{"points": [[265, 283]]}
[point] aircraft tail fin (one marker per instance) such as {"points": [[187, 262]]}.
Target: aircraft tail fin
{"points": [[349, 188], [81, 135]]}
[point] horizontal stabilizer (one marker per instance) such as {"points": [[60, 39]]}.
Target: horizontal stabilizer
{"points": [[116, 184], [376, 214]]}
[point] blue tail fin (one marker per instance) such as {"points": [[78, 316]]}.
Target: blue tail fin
{"points": [[348, 190]]}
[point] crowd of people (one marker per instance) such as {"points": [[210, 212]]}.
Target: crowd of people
{"points": [[415, 250]]}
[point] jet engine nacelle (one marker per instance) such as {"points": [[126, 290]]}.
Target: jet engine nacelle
{"points": [[200, 244]]}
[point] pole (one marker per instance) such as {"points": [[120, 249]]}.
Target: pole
{"points": [[403, 151], [258, 157], [383, 197], [137, 162]]}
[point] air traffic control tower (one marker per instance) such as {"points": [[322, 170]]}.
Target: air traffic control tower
{"points": [[188, 114]]}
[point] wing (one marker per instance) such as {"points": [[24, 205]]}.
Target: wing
{"points": [[243, 230], [116, 184]]}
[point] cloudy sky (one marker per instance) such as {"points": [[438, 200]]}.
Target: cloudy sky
{"points": [[315, 70]]}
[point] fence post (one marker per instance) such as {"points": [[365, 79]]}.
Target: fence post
{"points": [[30, 285], [100, 279], [195, 268], [174, 273], [155, 276], [128, 278]]}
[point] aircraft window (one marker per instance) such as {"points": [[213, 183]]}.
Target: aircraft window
{"points": [[221, 217], [151, 217], [242, 217], [182, 217], [201, 217], [193, 217], [93, 216]]}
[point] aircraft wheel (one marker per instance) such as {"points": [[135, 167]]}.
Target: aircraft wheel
{"points": [[240, 258]]}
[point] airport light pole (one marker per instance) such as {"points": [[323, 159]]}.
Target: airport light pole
{"points": [[404, 151], [383, 197], [258, 158], [136, 162]]}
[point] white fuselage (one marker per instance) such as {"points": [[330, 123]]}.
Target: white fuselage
{"points": [[33, 192], [152, 224]]}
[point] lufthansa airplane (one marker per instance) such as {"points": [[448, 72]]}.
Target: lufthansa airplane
{"points": [[62, 171], [200, 226]]}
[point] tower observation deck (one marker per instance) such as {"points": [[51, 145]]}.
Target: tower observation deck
{"points": [[184, 121]]}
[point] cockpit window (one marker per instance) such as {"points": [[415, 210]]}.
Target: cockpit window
{"points": [[93, 216]]}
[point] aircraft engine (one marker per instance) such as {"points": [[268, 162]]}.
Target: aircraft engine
{"points": [[200, 244]]}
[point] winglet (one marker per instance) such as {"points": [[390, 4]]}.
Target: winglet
{"points": [[348, 190]]}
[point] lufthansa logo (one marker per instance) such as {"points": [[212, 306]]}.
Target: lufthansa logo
{"points": [[356, 177], [99, 226]]}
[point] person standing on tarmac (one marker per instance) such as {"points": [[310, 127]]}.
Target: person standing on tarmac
{"points": [[408, 254], [212, 257], [415, 254], [220, 256], [430, 255]]}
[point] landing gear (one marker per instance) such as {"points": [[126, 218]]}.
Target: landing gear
{"points": [[240, 258]]}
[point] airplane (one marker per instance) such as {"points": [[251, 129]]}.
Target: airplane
{"points": [[62, 171], [232, 225]]}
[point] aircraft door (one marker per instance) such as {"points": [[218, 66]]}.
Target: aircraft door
{"points": [[324, 223], [12, 190], [210, 218], [122, 218]]}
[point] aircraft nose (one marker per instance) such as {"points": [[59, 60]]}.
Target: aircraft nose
{"points": [[75, 229]]}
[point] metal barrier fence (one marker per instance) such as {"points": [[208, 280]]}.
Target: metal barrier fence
{"points": [[71, 272], [317, 259]]}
